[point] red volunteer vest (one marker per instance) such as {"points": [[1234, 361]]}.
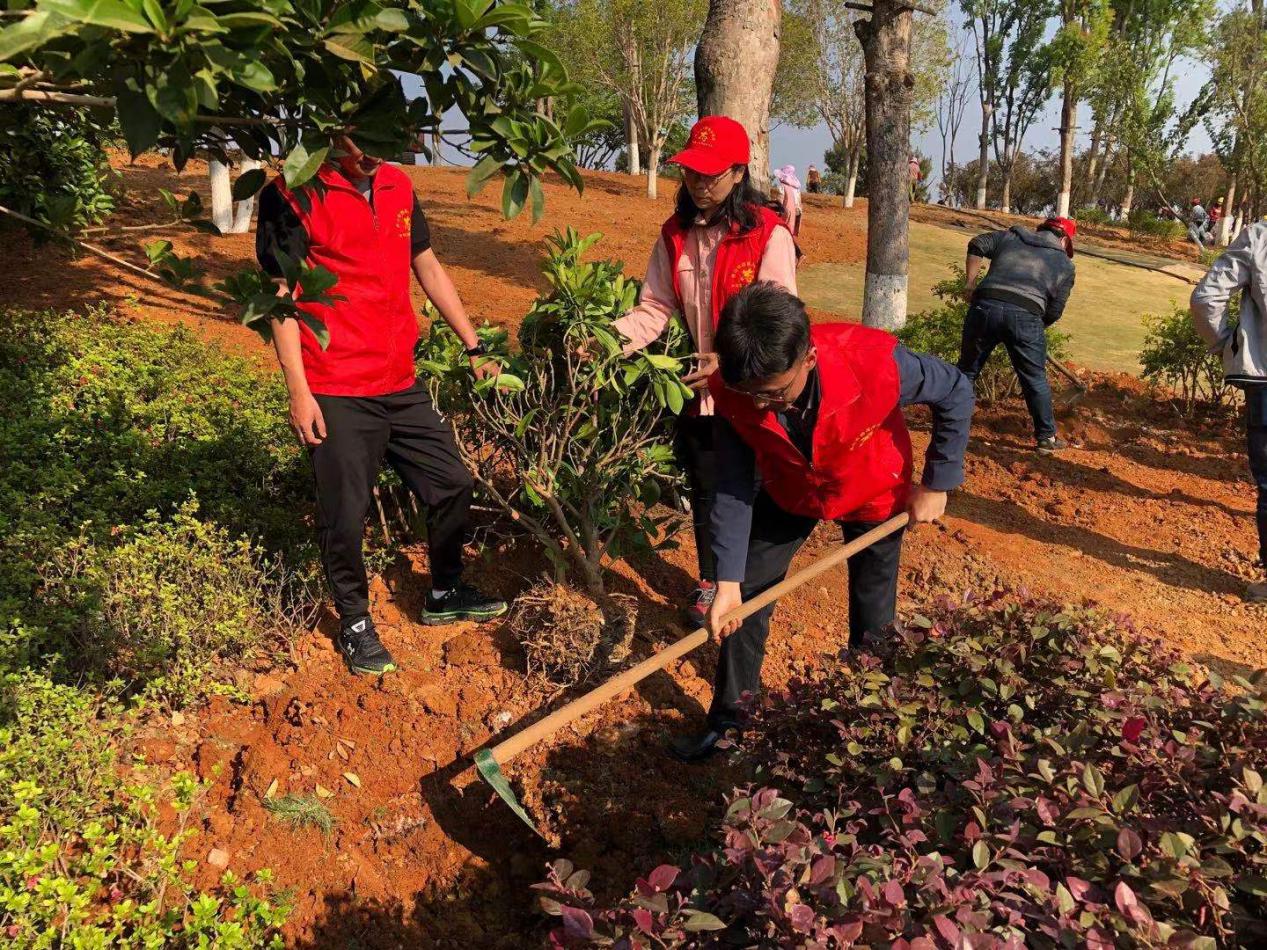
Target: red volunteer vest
{"points": [[373, 329], [738, 257], [861, 465]]}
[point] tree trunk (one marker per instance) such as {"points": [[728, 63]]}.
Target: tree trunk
{"points": [[631, 143], [983, 168], [851, 183], [1098, 187], [1068, 123], [221, 196], [1006, 198], [1128, 200], [243, 210], [886, 45], [653, 169], [735, 61], [1093, 154], [1224, 236], [437, 154]]}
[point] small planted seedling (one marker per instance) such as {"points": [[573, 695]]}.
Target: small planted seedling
{"points": [[301, 811]]}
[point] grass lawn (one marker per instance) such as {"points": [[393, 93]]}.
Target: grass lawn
{"points": [[1102, 319]]}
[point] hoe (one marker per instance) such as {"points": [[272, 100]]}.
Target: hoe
{"points": [[489, 761]]}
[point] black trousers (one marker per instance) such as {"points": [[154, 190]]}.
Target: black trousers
{"points": [[405, 429], [775, 539], [694, 446], [991, 322], [1256, 405]]}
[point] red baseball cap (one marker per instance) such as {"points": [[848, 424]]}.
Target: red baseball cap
{"points": [[716, 143], [1065, 227]]}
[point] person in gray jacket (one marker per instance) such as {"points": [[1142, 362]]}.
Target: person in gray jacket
{"points": [[1025, 291], [1242, 269]]}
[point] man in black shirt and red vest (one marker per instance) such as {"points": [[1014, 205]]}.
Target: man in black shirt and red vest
{"points": [[813, 430], [358, 402]]}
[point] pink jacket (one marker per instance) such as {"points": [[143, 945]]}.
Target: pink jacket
{"points": [[788, 200], [657, 303]]}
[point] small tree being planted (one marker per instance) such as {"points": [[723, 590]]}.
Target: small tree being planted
{"points": [[568, 441], [1006, 775]]}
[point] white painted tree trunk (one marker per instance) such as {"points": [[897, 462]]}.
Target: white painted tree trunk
{"points": [[1224, 236], [886, 45], [221, 196], [653, 170], [851, 185], [631, 143], [1068, 125], [243, 210], [983, 156]]}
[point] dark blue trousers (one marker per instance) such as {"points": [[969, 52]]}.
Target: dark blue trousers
{"points": [[991, 322], [1256, 404]]}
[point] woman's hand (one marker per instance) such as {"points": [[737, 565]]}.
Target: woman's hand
{"points": [[706, 366], [306, 419]]}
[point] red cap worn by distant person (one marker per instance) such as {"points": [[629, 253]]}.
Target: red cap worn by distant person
{"points": [[716, 143], [1065, 227]]}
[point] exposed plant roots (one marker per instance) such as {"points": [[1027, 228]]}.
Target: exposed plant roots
{"points": [[568, 637]]}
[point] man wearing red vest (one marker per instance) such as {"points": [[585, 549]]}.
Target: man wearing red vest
{"points": [[813, 430], [357, 401]]}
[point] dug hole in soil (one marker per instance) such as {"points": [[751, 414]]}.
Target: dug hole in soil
{"points": [[1150, 515]]}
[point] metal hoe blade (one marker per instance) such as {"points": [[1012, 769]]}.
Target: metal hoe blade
{"points": [[491, 772]]}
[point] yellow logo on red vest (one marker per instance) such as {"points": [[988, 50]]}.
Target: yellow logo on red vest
{"points": [[740, 277], [863, 437], [402, 222]]}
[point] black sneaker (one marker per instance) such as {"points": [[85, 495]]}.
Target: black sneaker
{"points": [[1052, 444], [463, 602], [364, 652]]}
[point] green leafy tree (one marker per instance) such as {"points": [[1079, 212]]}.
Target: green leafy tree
{"points": [[53, 166], [1077, 50]]}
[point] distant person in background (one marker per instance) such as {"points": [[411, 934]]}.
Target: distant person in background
{"points": [[722, 236], [915, 173], [1025, 291], [1216, 215], [790, 198], [813, 180], [1242, 270], [1198, 222]]}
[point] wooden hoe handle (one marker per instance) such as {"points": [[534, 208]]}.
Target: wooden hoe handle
{"points": [[506, 750]]}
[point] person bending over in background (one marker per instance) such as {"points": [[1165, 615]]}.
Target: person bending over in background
{"points": [[811, 429], [790, 198], [1025, 291], [1242, 269], [721, 237], [358, 401]]}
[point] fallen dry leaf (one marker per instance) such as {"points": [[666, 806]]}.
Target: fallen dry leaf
{"points": [[353, 778]]}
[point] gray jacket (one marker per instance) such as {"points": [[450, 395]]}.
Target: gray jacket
{"points": [[1027, 268], [1242, 269]]}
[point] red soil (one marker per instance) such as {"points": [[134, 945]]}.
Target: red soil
{"points": [[1151, 517]]}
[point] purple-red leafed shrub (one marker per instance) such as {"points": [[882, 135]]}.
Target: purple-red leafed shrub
{"points": [[1006, 775]]}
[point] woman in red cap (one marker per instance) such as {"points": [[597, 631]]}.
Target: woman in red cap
{"points": [[723, 235], [1024, 292]]}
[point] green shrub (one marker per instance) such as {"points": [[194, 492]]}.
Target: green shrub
{"points": [[101, 422], [940, 332], [170, 602], [1005, 774], [571, 446], [82, 862], [1142, 221], [1175, 356], [1092, 215]]}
